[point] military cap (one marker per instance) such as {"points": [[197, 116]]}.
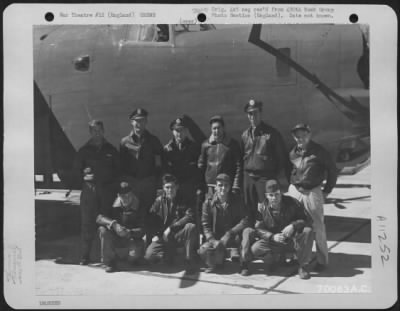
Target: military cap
{"points": [[301, 126], [253, 105], [217, 118], [223, 177], [138, 113], [272, 186], [124, 188], [177, 123]]}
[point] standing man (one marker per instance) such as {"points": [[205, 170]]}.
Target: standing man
{"points": [[125, 229], [311, 163], [224, 217], [141, 155], [264, 156], [97, 164], [220, 154], [282, 226], [172, 224], [181, 156]]}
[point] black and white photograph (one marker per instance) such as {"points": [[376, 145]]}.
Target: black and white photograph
{"points": [[202, 159]]}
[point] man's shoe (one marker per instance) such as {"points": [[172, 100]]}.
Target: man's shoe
{"points": [[244, 269], [303, 273], [210, 270], [189, 267], [84, 261], [320, 267], [110, 267]]}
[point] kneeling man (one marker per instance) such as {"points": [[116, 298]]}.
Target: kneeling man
{"points": [[171, 224], [282, 225], [124, 230], [223, 218]]}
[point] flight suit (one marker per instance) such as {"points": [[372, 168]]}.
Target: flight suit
{"points": [[221, 157], [178, 216], [258, 243], [310, 167], [131, 217], [264, 156], [181, 162], [97, 195], [139, 167], [223, 225]]}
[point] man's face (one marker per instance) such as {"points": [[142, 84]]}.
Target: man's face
{"points": [[170, 190], [97, 132], [180, 134], [126, 198], [274, 198], [139, 125], [217, 130], [302, 138], [254, 117], [222, 188]]}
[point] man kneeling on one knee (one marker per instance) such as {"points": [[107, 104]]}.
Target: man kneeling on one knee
{"points": [[172, 224], [124, 230], [282, 225], [223, 218]]}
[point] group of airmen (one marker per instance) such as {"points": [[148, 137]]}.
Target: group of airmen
{"points": [[219, 198]]}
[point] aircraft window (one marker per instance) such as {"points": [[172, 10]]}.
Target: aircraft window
{"points": [[154, 33], [193, 27], [133, 33], [282, 68], [39, 178], [82, 63]]}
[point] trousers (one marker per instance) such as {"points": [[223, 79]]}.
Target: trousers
{"points": [[301, 243], [214, 252], [110, 241], [95, 199], [166, 249], [314, 204], [253, 189]]}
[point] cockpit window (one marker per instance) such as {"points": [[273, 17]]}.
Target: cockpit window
{"points": [[154, 33], [179, 28]]}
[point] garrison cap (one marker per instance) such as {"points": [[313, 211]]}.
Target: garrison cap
{"points": [[272, 186], [301, 126], [223, 177], [177, 123], [217, 118], [124, 188], [138, 113], [253, 105]]}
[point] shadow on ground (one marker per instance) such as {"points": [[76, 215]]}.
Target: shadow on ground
{"points": [[338, 228]]}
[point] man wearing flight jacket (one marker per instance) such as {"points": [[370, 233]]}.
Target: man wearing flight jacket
{"points": [[311, 164]]}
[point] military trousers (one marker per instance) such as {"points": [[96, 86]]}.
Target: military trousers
{"points": [[214, 252], [166, 248], [313, 202], [131, 249], [268, 250]]}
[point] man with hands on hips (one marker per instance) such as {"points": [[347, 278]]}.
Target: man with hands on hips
{"points": [[312, 164]]}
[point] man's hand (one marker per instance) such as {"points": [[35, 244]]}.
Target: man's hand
{"points": [[224, 240], [166, 234], [121, 230], [279, 237], [288, 231]]}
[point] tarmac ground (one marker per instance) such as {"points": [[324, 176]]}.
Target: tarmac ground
{"points": [[347, 219]]}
